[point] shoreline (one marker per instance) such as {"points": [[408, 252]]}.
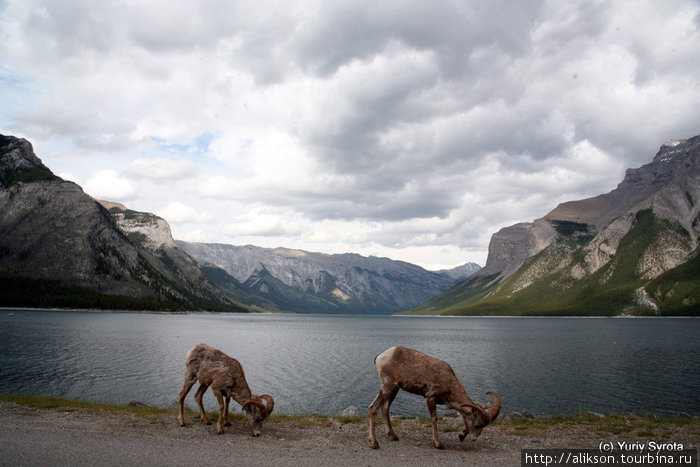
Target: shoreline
{"points": [[397, 315]]}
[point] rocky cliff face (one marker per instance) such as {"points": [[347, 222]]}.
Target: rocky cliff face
{"points": [[620, 247], [152, 234], [669, 186], [59, 247], [314, 282]]}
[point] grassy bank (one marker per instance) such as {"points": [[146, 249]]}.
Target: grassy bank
{"points": [[633, 426]]}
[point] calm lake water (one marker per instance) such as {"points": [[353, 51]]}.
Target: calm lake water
{"points": [[324, 364]]}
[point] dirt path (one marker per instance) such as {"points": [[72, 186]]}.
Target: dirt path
{"points": [[31, 436]]}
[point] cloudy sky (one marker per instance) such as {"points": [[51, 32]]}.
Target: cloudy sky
{"points": [[407, 129]]}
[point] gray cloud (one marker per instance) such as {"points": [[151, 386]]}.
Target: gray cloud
{"points": [[438, 121]]}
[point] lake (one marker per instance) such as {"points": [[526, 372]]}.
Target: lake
{"points": [[324, 363]]}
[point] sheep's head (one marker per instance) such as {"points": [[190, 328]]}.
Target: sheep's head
{"points": [[258, 408], [479, 417]]}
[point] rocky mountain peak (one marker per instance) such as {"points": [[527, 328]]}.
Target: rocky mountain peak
{"points": [[18, 154], [151, 231], [59, 247], [634, 249], [677, 148], [669, 185], [18, 158]]}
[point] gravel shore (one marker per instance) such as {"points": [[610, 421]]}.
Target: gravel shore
{"points": [[70, 436]]}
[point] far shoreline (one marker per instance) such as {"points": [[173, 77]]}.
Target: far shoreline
{"points": [[397, 315]]}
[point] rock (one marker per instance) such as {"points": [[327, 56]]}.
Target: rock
{"points": [[349, 411]]}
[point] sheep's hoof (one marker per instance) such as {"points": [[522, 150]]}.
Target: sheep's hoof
{"points": [[439, 446], [461, 437], [392, 437], [227, 424], [220, 432], [374, 446]]}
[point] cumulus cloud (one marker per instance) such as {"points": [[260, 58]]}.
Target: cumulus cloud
{"points": [[179, 212], [401, 127], [197, 235], [70, 176], [161, 168], [107, 184], [262, 224]]}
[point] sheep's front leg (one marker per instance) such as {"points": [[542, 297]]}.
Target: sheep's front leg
{"points": [[198, 397], [227, 422], [430, 401]]}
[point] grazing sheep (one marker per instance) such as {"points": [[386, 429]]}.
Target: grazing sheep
{"points": [[418, 373], [212, 367]]}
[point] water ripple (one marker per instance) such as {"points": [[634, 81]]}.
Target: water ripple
{"points": [[323, 364]]}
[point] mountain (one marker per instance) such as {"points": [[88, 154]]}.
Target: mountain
{"points": [[461, 272], [633, 250], [59, 247], [301, 281]]}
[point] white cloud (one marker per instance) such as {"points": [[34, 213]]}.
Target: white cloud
{"points": [[179, 212], [70, 176], [108, 185], [262, 224], [196, 236], [161, 168]]}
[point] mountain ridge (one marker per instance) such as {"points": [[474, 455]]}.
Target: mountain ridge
{"points": [[610, 254], [60, 247], [302, 281]]}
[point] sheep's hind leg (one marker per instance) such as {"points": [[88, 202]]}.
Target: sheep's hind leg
{"points": [[198, 397], [372, 415], [189, 382], [387, 417]]}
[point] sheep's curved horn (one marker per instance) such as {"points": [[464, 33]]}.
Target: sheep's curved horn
{"points": [[269, 402], [496, 409], [483, 412], [255, 403], [487, 415]]}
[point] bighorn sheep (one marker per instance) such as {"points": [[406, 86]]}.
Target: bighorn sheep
{"points": [[418, 373], [212, 367]]}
